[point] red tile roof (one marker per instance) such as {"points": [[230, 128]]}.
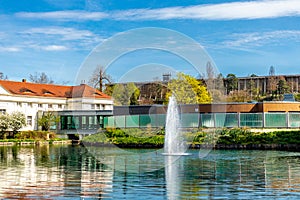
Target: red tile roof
{"points": [[51, 90]]}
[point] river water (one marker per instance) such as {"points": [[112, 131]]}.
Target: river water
{"points": [[76, 172]]}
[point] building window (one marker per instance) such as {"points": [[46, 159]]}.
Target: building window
{"points": [[50, 106], [93, 106], [98, 106], [29, 120], [59, 106], [30, 105], [19, 104], [2, 111], [40, 105], [83, 122]]}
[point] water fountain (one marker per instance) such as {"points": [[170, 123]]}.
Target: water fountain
{"points": [[174, 140]]}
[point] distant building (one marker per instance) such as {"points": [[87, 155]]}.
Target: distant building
{"points": [[66, 101], [267, 83]]}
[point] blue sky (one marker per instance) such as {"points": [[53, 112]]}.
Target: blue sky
{"points": [[56, 37]]}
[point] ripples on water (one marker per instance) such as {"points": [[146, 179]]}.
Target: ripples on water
{"points": [[74, 172]]}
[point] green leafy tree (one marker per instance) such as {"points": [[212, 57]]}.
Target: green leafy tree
{"points": [[133, 92], [47, 120], [126, 94], [231, 83], [188, 90], [282, 86], [297, 96], [109, 88], [17, 121]]}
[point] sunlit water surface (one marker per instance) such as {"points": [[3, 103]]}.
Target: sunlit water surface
{"points": [[75, 172]]}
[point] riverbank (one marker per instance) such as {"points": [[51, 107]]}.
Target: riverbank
{"points": [[234, 138], [26, 142], [33, 138]]}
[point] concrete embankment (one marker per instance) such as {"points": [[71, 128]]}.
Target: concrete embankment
{"points": [[9, 143]]}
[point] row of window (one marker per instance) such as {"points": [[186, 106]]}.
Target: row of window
{"points": [[81, 122], [20, 104], [97, 106]]}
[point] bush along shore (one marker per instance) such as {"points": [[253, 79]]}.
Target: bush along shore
{"points": [[235, 138], [33, 138]]}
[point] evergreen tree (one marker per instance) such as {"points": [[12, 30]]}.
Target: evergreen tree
{"points": [[231, 83]]}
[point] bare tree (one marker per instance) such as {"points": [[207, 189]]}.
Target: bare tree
{"points": [[99, 77], [2, 76], [40, 78]]}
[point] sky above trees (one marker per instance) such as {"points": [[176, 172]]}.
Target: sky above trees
{"points": [[55, 37]]}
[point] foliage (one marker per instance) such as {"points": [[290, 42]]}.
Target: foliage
{"points": [[127, 137], [40, 78], [188, 90], [35, 135], [126, 94], [109, 89], [231, 83], [297, 97], [4, 122], [282, 86], [253, 90], [238, 96], [47, 120], [155, 137], [134, 93], [244, 136], [17, 121]]}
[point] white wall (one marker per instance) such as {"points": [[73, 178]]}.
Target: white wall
{"points": [[30, 106]]}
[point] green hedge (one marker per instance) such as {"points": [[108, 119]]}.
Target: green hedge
{"points": [[155, 137]]}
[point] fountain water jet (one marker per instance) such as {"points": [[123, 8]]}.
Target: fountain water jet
{"points": [[174, 141]]}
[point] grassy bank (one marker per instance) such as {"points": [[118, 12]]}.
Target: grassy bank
{"points": [[155, 137], [32, 137], [128, 137]]}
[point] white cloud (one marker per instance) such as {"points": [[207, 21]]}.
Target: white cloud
{"points": [[54, 38], [71, 15], [263, 38], [54, 48], [222, 11], [63, 33], [10, 49]]}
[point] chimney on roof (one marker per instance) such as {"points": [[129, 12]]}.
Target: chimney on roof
{"points": [[24, 80]]}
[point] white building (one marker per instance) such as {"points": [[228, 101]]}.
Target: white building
{"points": [[33, 98]]}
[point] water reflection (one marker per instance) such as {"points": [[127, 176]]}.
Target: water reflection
{"points": [[71, 172], [173, 172], [50, 172]]}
